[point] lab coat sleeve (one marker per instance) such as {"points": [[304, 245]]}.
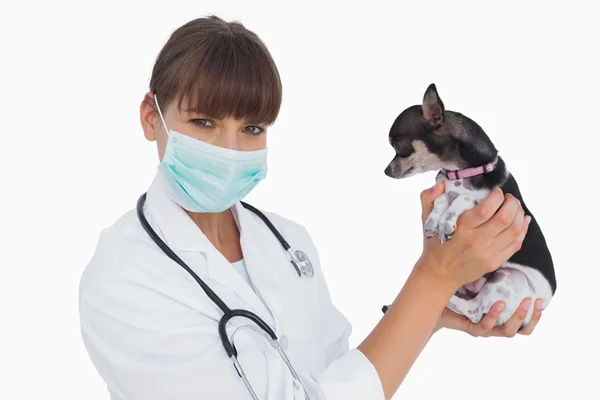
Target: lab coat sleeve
{"points": [[147, 346], [349, 374]]}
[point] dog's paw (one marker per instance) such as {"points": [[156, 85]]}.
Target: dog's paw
{"points": [[446, 230], [430, 227]]}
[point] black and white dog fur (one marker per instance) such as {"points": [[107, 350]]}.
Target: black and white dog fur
{"points": [[428, 137]]}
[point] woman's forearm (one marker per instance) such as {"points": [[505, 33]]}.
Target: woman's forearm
{"points": [[406, 327]]}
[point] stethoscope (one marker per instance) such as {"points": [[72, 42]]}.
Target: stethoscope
{"points": [[299, 260]]}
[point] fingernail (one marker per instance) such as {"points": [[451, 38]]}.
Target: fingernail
{"points": [[500, 307], [528, 218], [538, 304], [527, 305]]}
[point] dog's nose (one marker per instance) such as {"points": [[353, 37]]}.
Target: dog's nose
{"points": [[388, 171]]}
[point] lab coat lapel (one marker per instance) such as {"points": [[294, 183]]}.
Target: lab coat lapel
{"points": [[263, 255], [220, 270], [183, 236]]}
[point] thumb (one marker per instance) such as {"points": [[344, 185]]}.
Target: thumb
{"points": [[451, 320], [427, 198]]}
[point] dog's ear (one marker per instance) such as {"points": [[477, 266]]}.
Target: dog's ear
{"points": [[433, 108]]}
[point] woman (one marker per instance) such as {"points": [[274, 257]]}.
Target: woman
{"points": [[150, 330]]}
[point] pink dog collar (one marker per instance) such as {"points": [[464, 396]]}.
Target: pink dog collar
{"points": [[469, 172]]}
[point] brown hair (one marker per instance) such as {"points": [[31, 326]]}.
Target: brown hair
{"points": [[221, 69]]}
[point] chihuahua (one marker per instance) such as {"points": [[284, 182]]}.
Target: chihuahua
{"points": [[427, 137]]}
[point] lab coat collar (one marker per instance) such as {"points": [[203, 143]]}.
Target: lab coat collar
{"points": [[182, 234], [179, 231]]}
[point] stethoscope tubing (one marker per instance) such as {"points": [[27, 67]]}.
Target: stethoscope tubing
{"points": [[228, 313]]}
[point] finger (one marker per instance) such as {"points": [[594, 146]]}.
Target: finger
{"points": [[511, 326], [451, 320], [535, 318], [488, 322], [503, 255], [483, 211], [428, 196], [511, 233], [458, 322], [503, 218]]}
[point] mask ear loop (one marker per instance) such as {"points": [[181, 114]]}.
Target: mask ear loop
{"points": [[160, 113]]}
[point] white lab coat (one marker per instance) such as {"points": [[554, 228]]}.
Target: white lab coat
{"points": [[151, 332]]}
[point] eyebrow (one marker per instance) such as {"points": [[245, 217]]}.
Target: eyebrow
{"points": [[195, 111]]}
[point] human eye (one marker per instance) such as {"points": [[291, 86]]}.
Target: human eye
{"points": [[255, 131], [202, 123]]}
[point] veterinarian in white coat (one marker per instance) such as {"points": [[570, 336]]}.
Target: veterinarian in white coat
{"points": [[150, 330], [166, 343]]}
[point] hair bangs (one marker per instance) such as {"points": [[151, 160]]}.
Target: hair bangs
{"points": [[233, 77]]}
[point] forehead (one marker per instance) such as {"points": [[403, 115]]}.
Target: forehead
{"points": [[407, 124]]}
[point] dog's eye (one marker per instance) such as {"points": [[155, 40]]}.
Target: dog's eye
{"points": [[403, 150]]}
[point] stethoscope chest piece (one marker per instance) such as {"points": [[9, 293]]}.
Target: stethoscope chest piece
{"points": [[304, 264]]}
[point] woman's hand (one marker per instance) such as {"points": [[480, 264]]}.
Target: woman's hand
{"points": [[485, 237], [488, 234], [486, 327]]}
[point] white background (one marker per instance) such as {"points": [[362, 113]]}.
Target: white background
{"points": [[74, 159]]}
